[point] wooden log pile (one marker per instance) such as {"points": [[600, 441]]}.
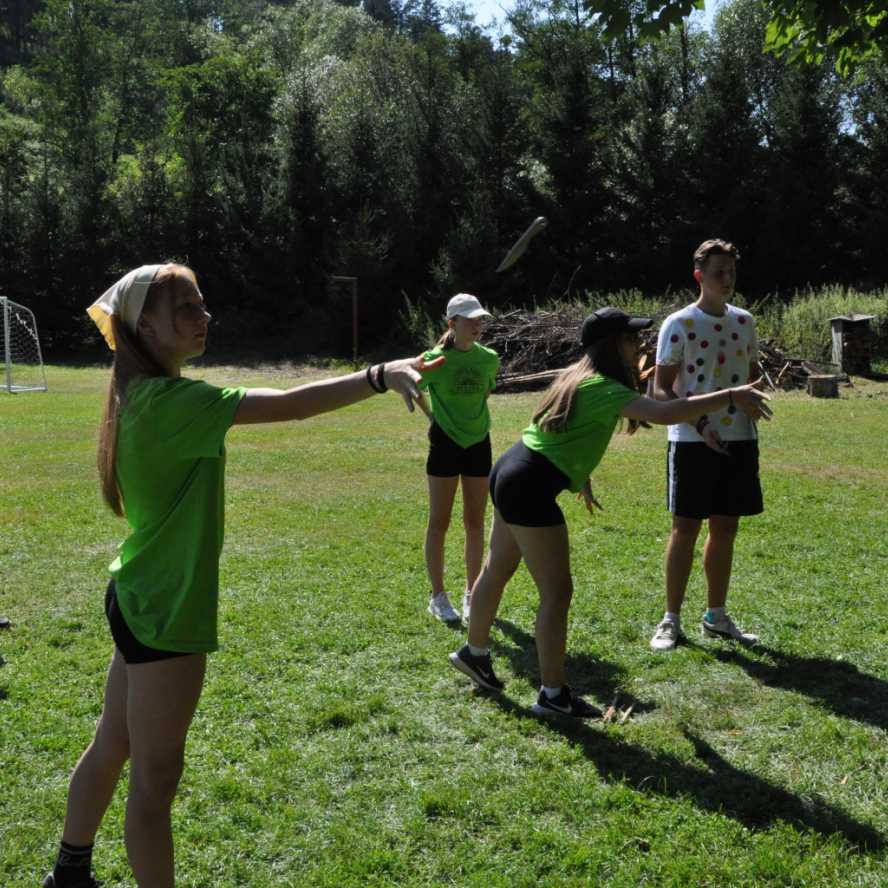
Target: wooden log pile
{"points": [[534, 346]]}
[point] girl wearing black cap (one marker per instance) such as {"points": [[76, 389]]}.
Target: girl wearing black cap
{"points": [[567, 438], [162, 466]]}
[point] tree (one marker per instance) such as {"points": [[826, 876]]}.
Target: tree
{"points": [[803, 30]]}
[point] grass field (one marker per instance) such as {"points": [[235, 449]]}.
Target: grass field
{"points": [[335, 746]]}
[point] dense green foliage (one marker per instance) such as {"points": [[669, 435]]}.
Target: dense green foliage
{"points": [[335, 746], [272, 145]]}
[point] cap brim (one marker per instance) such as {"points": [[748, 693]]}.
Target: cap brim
{"points": [[475, 313], [639, 323]]}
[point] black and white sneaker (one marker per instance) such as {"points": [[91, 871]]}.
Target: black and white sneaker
{"points": [[89, 881], [566, 703], [479, 669]]}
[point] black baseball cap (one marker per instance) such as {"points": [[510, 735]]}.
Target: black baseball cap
{"points": [[607, 321]]}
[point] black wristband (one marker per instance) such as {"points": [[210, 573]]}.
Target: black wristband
{"points": [[701, 424], [730, 397], [371, 381], [380, 378]]}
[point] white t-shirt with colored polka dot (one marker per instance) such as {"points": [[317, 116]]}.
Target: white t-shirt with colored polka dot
{"points": [[712, 353]]}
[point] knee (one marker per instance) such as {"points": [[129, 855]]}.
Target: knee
{"points": [[110, 746], [153, 782], [474, 525], [438, 525], [685, 532], [557, 599], [722, 532]]}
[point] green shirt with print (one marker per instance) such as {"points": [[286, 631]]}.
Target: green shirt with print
{"points": [[171, 470], [458, 391], [579, 448]]}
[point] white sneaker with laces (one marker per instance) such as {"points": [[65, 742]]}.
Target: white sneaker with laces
{"points": [[666, 636], [726, 628], [441, 609], [467, 605]]}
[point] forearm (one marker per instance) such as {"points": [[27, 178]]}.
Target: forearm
{"points": [[692, 408], [304, 401]]}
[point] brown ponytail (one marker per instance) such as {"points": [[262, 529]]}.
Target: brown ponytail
{"points": [[604, 357]]}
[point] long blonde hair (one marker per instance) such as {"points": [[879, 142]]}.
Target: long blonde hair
{"points": [[558, 401], [131, 361]]}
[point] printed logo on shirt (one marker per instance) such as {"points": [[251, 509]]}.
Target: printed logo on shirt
{"points": [[468, 381]]}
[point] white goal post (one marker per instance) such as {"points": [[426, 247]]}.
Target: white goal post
{"points": [[21, 361]]}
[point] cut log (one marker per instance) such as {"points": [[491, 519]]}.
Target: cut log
{"points": [[823, 386]]}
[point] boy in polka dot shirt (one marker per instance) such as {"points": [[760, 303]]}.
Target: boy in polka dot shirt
{"points": [[712, 466]]}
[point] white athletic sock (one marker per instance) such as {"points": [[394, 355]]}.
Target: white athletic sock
{"points": [[675, 618], [551, 692], [478, 652]]}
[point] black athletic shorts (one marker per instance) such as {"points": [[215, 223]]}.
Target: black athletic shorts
{"points": [[447, 458], [524, 485], [130, 647], [701, 482]]}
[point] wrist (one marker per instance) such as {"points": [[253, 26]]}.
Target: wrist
{"points": [[372, 376], [380, 378], [701, 423]]}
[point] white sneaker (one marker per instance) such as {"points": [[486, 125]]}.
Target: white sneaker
{"points": [[666, 636], [467, 605], [441, 609], [725, 628]]}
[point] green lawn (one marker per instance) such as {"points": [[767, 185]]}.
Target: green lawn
{"points": [[335, 746]]}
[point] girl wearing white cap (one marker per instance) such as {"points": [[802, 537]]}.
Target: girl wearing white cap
{"points": [[567, 438], [161, 461], [459, 445]]}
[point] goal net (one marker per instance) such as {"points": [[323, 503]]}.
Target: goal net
{"points": [[21, 362]]}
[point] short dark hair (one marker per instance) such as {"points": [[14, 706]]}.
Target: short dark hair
{"points": [[714, 247]]}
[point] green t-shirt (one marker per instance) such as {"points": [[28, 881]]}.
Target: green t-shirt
{"points": [[458, 390], [171, 470], [579, 448]]}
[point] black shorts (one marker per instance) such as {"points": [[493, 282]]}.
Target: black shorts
{"points": [[701, 482], [447, 458], [132, 650], [523, 487]]}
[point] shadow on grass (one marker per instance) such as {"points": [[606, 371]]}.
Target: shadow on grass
{"points": [[836, 684], [715, 786], [588, 674]]}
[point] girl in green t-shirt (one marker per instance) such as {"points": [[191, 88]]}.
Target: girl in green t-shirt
{"points": [[566, 439], [161, 462], [459, 445]]}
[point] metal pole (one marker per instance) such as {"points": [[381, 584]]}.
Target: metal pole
{"points": [[6, 346]]}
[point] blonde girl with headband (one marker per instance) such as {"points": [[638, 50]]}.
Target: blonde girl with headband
{"points": [[161, 462], [565, 441], [459, 445]]}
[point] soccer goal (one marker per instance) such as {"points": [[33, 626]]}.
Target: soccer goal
{"points": [[21, 362]]}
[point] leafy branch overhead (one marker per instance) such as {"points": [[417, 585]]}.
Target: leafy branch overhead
{"points": [[804, 31]]}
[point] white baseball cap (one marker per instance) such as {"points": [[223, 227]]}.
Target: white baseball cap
{"points": [[464, 305]]}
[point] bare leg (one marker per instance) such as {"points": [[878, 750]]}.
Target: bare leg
{"points": [[441, 494], [718, 556], [474, 493], [503, 558], [96, 774], [679, 560], [546, 552], [161, 703]]}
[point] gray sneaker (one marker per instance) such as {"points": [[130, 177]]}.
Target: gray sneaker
{"points": [[441, 609], [666, 636], [725, 628]]}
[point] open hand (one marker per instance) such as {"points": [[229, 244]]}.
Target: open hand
{"points": [[403, 376], [752, 402], [711, 438], [588, 498]]}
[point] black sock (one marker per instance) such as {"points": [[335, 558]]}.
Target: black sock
{"points": [[73, 865]]}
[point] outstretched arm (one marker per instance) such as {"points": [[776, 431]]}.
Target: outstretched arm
{"points": [[275, 405], [747, 398]]}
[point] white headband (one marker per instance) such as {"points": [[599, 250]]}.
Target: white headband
{"points": [[123, 300]]}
